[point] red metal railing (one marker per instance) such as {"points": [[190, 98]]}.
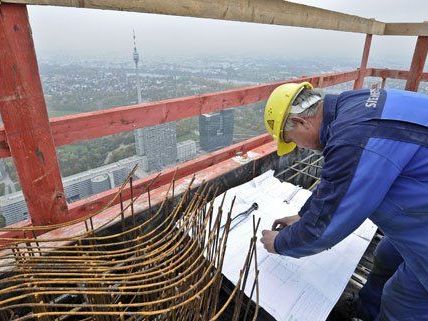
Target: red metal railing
{"points": [[84, 126], [393, 74], [30, 137], [78, 127]]}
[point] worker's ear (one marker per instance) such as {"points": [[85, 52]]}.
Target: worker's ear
{"points": [[299, 121]]}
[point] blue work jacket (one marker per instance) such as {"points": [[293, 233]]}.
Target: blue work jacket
{"points": [[376, 166]]}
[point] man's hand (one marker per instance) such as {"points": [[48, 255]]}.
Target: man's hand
{"points": [[280, 223], [268, 239]]}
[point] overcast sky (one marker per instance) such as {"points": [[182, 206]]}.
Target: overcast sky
{"points": [[88, 32]]}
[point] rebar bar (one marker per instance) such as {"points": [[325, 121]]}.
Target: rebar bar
{"points": [[167, 267]]}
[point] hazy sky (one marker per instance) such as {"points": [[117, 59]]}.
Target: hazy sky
{"points": [[87, 32]]}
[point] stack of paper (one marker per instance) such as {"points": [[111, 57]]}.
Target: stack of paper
{"points": [[290, 289]]}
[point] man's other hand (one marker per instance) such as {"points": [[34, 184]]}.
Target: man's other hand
{"points": [[280, 223], [268, 240]]}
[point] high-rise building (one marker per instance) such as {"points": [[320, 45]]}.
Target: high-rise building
{"points": [[3, 172], [77, 186], [157, 143], [186, 150], [216, 130], [160, 143], [13, 208]]}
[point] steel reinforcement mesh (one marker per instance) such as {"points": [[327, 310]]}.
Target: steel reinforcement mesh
{"points": [[167, 267]]}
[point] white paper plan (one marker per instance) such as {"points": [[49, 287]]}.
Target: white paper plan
{"points": [[290, 289]]}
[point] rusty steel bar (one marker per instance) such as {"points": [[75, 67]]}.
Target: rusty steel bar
{"points": [[158, 269]]}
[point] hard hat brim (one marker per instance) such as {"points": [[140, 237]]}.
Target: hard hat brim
{"points": [[285, 148]]}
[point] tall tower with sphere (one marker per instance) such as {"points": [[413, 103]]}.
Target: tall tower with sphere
{"points": [[157, 143]]}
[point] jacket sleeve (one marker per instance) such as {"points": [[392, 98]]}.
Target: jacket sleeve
{"points": [[354, 182], [305, 206]]}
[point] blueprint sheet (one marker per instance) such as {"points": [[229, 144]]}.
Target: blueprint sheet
{"points": [[291, 289]]}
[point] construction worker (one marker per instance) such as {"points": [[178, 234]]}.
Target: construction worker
{"points": [[375, 147]]}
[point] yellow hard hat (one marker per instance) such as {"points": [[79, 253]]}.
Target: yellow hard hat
{"points": [[277, 109]]}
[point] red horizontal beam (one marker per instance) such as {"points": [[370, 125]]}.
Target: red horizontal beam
{"points": [[16, 233], [389, 73], [394, 74], [98, 202], [211, 164], [74, 128]]}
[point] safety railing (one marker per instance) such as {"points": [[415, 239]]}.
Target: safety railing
{"points": [[393, 74], [84, 126], [79, 127]]}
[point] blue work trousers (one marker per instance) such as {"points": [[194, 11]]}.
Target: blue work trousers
{"points": [[392, 291]]}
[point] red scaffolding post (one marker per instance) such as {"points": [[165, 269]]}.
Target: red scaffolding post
{"points": [[361, 74], [26, 121], [418, 63]]}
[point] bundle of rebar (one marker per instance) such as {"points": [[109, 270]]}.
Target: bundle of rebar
{"points": [[166, 266]]}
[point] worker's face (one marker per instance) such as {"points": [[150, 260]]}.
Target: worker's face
{"points": [[306, 132]]}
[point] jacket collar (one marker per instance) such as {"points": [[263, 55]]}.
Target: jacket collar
{"points": [[329, 114]]}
